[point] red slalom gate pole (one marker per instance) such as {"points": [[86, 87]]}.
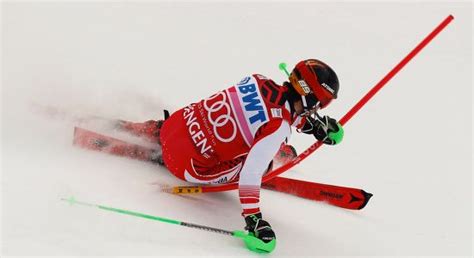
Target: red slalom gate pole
{"points": [[343, 120], [395, 70]]}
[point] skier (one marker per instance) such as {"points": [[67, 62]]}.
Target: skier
{"points": [[234, 134]]}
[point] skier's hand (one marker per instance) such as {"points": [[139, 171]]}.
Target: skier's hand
{"points": [[325, 129], [259, 227]]}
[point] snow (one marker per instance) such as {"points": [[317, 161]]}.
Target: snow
{"points": [[411, 145]]}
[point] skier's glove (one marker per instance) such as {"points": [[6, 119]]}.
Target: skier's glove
{"points": [[259, 227], [325, 129]]}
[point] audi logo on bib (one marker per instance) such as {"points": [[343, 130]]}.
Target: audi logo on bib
{"points": [[219, 115]]}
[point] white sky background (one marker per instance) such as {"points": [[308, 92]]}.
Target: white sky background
{"points": [[411, 145]]}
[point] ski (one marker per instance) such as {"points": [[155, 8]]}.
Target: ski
{"points": [[340, 196], [94, 141], [344, 197]]}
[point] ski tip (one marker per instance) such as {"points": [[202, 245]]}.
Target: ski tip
{"points": [[367, 197]]}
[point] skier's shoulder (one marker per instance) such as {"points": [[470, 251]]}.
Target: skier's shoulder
{"points": [[264, 85], [258, 79], [264, 80]]}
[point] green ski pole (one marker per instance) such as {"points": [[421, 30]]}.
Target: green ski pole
{"points": [[252, 243]]}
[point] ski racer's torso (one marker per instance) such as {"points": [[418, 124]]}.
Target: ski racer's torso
{"points": [[224, 126]]}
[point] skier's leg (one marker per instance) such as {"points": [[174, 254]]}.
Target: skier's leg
{"points": [[285, 154], [149, 129], [185, 161]]}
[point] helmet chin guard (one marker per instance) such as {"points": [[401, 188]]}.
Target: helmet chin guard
{"points": [[310, 105]]}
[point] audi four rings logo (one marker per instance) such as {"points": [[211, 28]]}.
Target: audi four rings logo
{"points": [[218, 103]]}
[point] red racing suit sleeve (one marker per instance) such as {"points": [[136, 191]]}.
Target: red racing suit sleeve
{"points": [[267, 143]]}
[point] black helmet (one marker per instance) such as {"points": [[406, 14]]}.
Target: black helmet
{"points": [[316, 82]]}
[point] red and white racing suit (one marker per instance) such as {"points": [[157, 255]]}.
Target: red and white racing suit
{"points": [[231, 136]]}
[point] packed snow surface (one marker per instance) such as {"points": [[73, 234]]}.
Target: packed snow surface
{"points": [[410, 145]]}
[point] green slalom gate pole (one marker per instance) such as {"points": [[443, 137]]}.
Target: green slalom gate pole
{"points": [[282, 67], [252, 243]]}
